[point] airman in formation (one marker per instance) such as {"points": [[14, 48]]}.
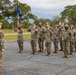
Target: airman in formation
{"points": [[63, 38]]}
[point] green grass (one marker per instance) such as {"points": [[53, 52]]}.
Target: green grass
{"points": [[8, 31], [14, 37], [27, 36]]}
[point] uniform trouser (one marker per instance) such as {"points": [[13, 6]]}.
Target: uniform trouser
{"points": [[72, 49], [75, 46], [48, 47], [1, 56], [55, 44], [20, 44], [41, 43], [66, 46], [33, 45], [61, 43]]}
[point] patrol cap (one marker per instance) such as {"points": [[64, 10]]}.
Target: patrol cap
{"points": [[1, 23], [20, 25], [40, 23], [47, 22], [57, 25], [72, 25], [33, 25], [66, 25], [47, 26]]}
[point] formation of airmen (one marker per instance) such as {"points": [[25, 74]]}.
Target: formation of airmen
{"points": [[62, 35], [45, 36]]}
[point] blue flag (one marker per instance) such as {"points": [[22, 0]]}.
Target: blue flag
{"points": [[20, 15], [18, 11]]}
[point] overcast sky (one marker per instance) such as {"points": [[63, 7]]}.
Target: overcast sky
{"points": [[48, 8]]}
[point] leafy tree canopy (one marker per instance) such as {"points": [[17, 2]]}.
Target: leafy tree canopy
{"points": [[69, 13]]}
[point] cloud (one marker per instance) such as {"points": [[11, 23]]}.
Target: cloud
{"points": [[48, 4], [51, 7]]}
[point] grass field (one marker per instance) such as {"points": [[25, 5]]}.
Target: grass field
{"points": [[14, 37], [7, 31]]}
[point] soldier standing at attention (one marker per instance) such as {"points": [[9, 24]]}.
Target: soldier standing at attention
{"points": [[41, 37], [48, 40], [55, 39], [61, 34], [72, 48], [66, 42], [34, 39], [20, 38], [1, 47], [75, 38]]}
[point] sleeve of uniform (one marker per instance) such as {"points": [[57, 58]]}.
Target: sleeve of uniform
{"points": [[3, 41], [21, 30], [51, 35], [36, 31], [43, 30]]}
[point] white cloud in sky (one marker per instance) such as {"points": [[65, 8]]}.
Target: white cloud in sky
{"points": [[45, 7], [48, 4]]}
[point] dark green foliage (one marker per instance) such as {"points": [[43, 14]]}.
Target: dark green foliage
{"points": [[8, 11], [69, 14]]}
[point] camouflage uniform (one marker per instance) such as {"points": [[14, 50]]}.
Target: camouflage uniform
{"points": [[41, 38], [48, 40], [55, 40], [20, 39], [61, 34], [72, 41], [34, 39], [1, 46], [75, 39], [66, 43]]}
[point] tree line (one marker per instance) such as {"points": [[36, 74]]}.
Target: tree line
{"points": [[8, 15]]}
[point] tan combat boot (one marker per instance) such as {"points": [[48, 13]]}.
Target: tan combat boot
{"points": [[65, 56], [1, 71], [61, 50], [56, 51], [34, 53], [71, 53], [48, 54], [20, 51], [41, 50]]}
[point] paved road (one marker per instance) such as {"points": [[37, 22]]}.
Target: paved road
{"points": [[28, 64]]}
